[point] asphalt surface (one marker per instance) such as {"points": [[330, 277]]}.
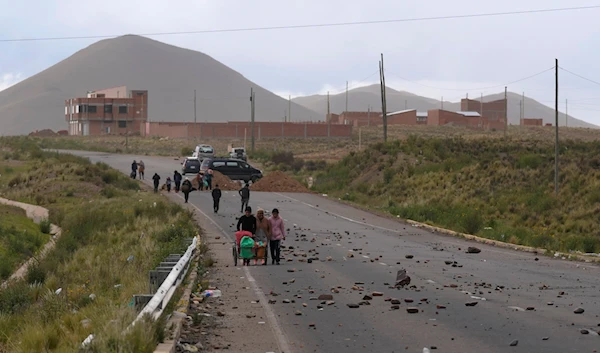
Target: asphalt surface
{"points": [[518, 297]]}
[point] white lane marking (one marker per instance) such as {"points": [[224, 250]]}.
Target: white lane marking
{"points": [[365, 256], [516, 308], [337, 215], [277, 331], [383, 264]]}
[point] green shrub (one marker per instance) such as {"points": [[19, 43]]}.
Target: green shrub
{"points": [[187, 151], [35, 274], [472, 222], [531, 161], [45, 226]]}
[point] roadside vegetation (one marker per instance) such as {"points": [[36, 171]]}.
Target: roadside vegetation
{"points": [[114, 232], [20, 239], [501, 189]]}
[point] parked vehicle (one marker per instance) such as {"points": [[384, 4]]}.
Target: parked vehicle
{"points": [[235, 169], [190, 165], [204, 151], [238, 153]]}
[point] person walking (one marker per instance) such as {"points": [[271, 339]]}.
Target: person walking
{"points": [[277, 235], [177, 180], [168, 182], [208, 177], [134, 168], [263, 234], [156, 179], [216, 196], [186, 188], [247, 222], [141, 169], [245, 195]]}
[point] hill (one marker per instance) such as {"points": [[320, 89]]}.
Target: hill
{"points": [[360, 98], [169, 73]]}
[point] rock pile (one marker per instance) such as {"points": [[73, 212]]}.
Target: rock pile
{"points": [[224, 182], [278, 182]]}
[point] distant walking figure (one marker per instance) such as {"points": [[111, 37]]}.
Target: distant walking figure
{"points": [[177, 180], [245, 195], [156, 179], [141, 169], [134, 168], [216, 195], [186, 188]]}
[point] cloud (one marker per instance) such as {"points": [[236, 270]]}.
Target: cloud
{"points": [[9, 79]]}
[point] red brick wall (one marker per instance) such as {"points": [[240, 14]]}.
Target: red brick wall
{"points": [[532, 122], [406, 118], [493, 110], [236, 130]]}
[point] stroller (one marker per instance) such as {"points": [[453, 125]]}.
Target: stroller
{"points": [[246, 248]]}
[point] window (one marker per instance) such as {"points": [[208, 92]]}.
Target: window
{"points": [[123, 109], [91, 109], [108, 108], [245, 165], [218, 164], [233, 164], [122, 123]]}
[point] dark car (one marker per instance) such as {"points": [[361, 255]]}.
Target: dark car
{"points": [[235, 169], [190, 165]]}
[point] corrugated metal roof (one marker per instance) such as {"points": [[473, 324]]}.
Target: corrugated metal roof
{"points": [[400, 112], [422, 114], [469, 113]]}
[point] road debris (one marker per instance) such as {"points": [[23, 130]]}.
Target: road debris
{"points": [[473, 250]]}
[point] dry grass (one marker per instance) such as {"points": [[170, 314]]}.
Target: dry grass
{"points": [[105, 218], [496, 188]]}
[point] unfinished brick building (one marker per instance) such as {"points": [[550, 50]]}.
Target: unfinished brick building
{"points": [[109, 111]]}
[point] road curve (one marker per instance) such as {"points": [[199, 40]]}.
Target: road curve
{"points": [[518, 297]]}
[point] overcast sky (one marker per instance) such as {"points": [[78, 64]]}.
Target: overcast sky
{"points": [[446, 58]]}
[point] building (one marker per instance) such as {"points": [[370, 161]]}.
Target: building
{"points": [[108, 112], [493, 111], [532, 122], [467, 119], [406, 117], [356, 118]]}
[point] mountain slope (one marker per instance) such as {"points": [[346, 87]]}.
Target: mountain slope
{"points": [[360, 98], [169, 73]]}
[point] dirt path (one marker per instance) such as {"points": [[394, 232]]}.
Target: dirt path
{"points": [[37, 214]]}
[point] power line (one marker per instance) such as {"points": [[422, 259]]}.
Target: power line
{"points": [[339, 24], [478, 88], [581, 77]]}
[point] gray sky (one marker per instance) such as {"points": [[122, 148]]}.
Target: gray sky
{"points": [[446, 58]]}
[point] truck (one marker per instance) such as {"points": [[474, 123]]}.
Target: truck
{"points": [[203, 151]]}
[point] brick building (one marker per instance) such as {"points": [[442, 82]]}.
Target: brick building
{"points": [[493, 111], [109, 111], [406, 117], [472, 120], [355, 118]]}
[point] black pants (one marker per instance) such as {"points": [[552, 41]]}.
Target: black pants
{"points": [[141, 174], [168, 187], [156, 186], [186, 195], [244, 204], [177, 186], [210, 184], [216, 205], [275, 250]]}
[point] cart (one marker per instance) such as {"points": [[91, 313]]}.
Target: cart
{"points": [[238, 250]]}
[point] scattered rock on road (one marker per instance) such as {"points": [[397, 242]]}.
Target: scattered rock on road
{"points": [[325, 297], [412, 310], [409, 256], [584, 331], [473, 250], [353, 306], [514, 343], [471, 303], [402, 279], [578, 311]]}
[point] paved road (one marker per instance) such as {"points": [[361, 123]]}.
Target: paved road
{"points": [[503, 283]]}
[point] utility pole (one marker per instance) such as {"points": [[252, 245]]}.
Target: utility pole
{"points": [[252, 104], [523, 105], [520, 110], [328, 117], [481, 110], [289, 114], [505, 110], [195, 117], [369, 115], [442, 102], [383, 100], [346, 95], [556, 128], [566, 113], [405, 104]]}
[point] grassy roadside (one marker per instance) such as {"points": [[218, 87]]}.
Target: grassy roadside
{"points": [[20, 238], [496, 189], [106, 218]]}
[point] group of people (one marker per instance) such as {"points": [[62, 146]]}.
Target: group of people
{"points": [[262, 230]]}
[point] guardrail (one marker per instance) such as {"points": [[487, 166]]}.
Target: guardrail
{"points": [[163, 295]]}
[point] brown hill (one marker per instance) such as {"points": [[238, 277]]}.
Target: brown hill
{"points": [[169, 73], [360, 98]]}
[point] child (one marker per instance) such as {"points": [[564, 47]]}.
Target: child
{"points": [[168, 184]]}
